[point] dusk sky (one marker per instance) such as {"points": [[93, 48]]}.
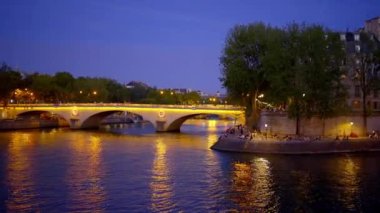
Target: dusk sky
{"points": [[167, 44]]}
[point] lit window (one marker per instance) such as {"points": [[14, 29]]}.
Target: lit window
{"points": [[357, 48], [342, 37], [357, 37], [356, 104]]}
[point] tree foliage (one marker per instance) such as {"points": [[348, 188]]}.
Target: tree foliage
{"points": [[63, 87], [244, 72], [297, 67], [10, 79]]}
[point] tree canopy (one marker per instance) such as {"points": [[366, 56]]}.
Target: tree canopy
{"points": [[297, 67], [63, 87]]}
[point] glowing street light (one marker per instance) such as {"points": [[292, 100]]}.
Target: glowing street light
{"points": [[261, 95], [351, 124], [161, 92], [95, 93], [266, 130], [80, 92]]}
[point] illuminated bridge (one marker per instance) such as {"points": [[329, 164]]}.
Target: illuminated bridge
{"points": [[163, 117]]}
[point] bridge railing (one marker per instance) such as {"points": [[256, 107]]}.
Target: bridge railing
{"points": [[199, 106]]}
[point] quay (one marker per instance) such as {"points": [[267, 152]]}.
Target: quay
{"points": [[261, 145]]}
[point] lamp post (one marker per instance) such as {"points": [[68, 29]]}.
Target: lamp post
{"points": [[95, 93], [351, 124]]}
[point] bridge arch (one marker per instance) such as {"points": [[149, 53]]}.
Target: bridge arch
{"points": [[175, 125], [94, 120], [62, 120]]}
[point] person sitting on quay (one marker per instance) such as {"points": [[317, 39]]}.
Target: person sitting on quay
{"points": [[374, 135]]}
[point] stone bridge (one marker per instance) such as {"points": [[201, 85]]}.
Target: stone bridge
{"points": [[83, 116]]}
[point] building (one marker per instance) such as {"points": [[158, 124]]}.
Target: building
{"points": [[181, 90], [133, 84], [355, 48], [358, 50], [373, 26]]}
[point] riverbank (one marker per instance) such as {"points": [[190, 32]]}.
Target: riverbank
{"points": [[16, 124], [324, 146]]}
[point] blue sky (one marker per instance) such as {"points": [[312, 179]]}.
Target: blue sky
{"points": [[163, 43]]}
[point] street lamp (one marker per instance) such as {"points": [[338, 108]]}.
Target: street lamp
{"points": [[94, 92], [351, 124]]}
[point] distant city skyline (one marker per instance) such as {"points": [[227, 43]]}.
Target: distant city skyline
{"points": [[167, 44]]}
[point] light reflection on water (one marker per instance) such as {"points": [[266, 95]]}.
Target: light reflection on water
{"points": [[349, 183], [137, 170], [19, 174], [85, 174], [161, 184], [252, 187]]}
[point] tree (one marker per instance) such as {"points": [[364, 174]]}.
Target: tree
{"points": [[116, 91], [297, 67], [10, 80], [366, 62], [44, 87], [64, 83], [314, 73], [243, 73]]}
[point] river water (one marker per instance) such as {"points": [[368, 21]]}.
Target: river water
{"points": [[130, 168]]}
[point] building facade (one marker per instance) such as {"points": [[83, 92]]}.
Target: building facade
{"points": [[373, 26], [360, 70]]}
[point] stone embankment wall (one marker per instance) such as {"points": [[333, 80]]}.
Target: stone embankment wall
{"points": [[278, 122], [233, 144], [31, 124]]}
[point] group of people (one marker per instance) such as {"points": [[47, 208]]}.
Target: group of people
{"points": [[240, 131]]}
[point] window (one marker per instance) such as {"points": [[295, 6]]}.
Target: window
{"points": [[357, 48], [356, 104], [357, 91], [375, 105], [344, 62], [357, 37], [342, 37], [375, 93]]}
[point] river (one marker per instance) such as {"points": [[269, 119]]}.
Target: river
{"points": [[130, 168]]}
